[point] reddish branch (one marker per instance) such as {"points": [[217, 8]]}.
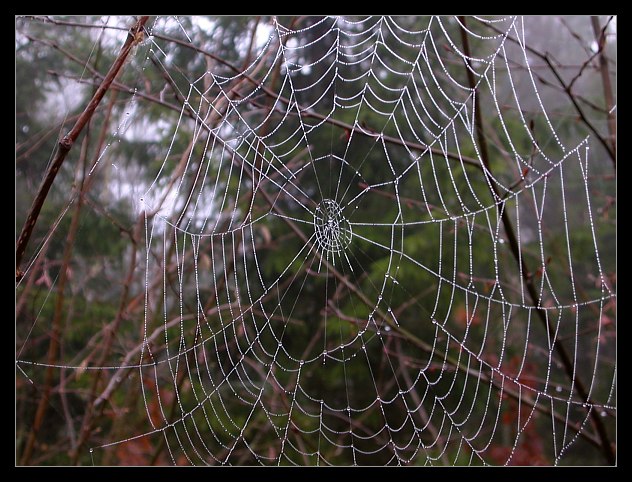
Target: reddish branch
{"points": [[133, 37]]}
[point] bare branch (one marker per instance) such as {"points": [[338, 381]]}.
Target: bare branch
{"points": [[133, 37]]}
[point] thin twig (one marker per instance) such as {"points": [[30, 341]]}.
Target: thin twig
{"points": [[133, 37], [546, 57]]}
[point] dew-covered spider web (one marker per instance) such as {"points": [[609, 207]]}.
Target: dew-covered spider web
{"points": [[374, 245]]}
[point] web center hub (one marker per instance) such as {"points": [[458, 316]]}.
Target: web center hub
{"points": [[333, 230]]}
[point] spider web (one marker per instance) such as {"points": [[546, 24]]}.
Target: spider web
{"points": [[347, 287]]}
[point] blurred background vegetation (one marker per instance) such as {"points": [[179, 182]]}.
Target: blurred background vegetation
{"points": [[110, 283]]}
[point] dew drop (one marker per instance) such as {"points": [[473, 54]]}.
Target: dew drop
{"points": [[558, 389]]}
